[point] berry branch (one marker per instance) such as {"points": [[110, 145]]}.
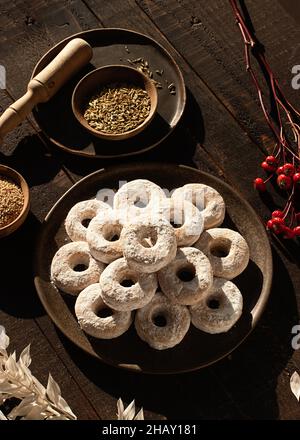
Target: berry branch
{"points": [[284, 163]]}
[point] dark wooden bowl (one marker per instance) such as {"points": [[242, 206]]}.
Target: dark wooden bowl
{"points": [[198, 349], [20, 181], [92, 83]]}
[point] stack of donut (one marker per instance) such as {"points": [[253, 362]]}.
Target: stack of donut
{"points": [[162, 262]]}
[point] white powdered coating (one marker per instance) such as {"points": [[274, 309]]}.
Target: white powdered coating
{"points": [[139, 254], [177, 319], [136, 198], [62, 268], [222, 241], [187, 219], [189, 260], [85, 210], [218, 320], [208, 201], [88, 304], [122, 298], [100, 231]]}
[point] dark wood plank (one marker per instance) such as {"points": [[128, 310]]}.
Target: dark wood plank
{"points": [[216, 131]]}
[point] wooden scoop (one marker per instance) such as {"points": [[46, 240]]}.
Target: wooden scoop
{"points": [[76, 54]]}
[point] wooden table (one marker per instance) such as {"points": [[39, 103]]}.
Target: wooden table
{"points": [[222, 132]]}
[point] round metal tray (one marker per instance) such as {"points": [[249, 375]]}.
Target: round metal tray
{"points": [[198, 349]]}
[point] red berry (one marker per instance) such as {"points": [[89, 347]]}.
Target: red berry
{"points": [[288, 169], [279, 170], [284, 182], [271, 160], [270, 224], [277, 213], [296, 178], [288, 233], [297, 231]]}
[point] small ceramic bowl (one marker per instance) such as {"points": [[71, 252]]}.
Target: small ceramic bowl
{"points": [[92, 83], [20, 181]]}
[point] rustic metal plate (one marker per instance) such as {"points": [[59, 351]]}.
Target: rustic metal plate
{"points": [[56, 118], [198, 349]]}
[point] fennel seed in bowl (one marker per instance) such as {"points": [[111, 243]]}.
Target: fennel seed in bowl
{"points": [[118, 108]]}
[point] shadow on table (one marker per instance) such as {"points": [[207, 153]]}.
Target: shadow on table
{"points": [[243, 386]]}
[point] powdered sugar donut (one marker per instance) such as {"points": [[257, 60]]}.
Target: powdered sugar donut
{"points": [[136, 197], [187, 277], [144, 255], [73, 268], [162, 324], [103, 237], [207, 200], [80, 213], [186, 219], [219, 309], [88, 307], [125, 289], [226, 250]]}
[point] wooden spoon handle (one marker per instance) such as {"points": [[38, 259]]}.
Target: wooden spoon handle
{"points": [[76, 54]]}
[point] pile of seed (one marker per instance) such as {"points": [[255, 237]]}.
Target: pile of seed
{"points": [[11, 201], [118, 108]]}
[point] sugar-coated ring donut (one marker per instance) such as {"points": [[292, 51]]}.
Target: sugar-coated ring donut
{"points": [[162, 324], [67, 260], [88, 304], [125, 289], [137, 197], [209, 202], [219, 309], [226, 250], [187, 277], [80, 213], [185, 217], [103, 237], [149, 244]]}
